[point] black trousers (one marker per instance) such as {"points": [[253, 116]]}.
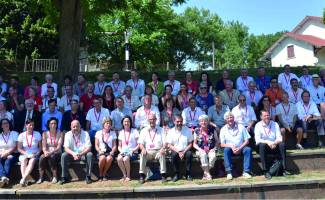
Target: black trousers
{"points": [[264, 150], [188, 162]]}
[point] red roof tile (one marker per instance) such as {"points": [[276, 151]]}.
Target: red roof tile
{"points": [[307, 38]]}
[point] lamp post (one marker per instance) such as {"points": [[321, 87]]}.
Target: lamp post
{"points": [[127, 47]]}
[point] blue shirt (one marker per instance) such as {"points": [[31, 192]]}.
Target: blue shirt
{"points": [[204, 102], [47, 115], [263, 83]]}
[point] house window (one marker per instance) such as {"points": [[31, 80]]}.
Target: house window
{"points": [[291, 51]]}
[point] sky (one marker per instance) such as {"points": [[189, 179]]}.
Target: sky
{"points": [[260, 16]]}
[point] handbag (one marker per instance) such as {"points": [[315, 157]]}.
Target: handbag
{"points": [[275, 168]]}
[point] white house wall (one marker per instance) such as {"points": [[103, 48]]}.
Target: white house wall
{"points": [[313, 27], [304, 54]]}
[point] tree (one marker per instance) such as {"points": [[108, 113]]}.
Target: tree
{"points": [[26, 31]]}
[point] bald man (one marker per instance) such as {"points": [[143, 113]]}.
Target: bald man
{"points": [[77, 146]]}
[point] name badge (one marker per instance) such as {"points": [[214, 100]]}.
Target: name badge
{"points": [[151, 146], [126, 149]]}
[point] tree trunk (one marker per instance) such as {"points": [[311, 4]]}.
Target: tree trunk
{"points": [[70, 34]]}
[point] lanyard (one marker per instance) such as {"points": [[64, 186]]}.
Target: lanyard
{"points": [[230, 96], [100, 88], [295, 94], [76, 140], [252, 96], [116, 88], [287, 80], [205, 136], [155, 86], [244, 82], [54, 138], [135, 85], [105, 139], [31, 141], [152, 138], [97, 116], [6, 140], [127, 139], [286, 112], [307, 82], [243, 116], [185, 100], [147, 111], [269, 131], [192, 117], [308, 107]]}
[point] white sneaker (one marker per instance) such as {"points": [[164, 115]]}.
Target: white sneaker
{"points": [[229, 176], [2, 183], [5, 180], [54, 180], [298, 146], [22, 182], [247, 175]]}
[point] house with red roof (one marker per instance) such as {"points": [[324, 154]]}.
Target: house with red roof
{"points": [[304, 45]]}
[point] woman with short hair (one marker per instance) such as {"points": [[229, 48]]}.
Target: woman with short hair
{"points": [[29, 146], [8, 147], [105, 144], [52, 145]]}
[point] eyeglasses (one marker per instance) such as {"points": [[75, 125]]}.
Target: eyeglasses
{"points": [[242, 100]]}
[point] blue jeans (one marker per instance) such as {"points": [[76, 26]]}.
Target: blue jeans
{"points": [[5, 165], [246, 151]]}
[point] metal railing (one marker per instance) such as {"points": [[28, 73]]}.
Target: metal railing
{"points": [[41, 65]]}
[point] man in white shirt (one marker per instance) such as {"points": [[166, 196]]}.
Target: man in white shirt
{"points": [[294, 92], [234, 138], [137, 84], [317, 91], [49, 83], [191, 114], [131, 101], [180, 142], [285, 77], [95, 117], [65, 101], [152, 147], [77, 146], [269, 141], [142, 114], [100, 84], [287, 116], [119, 113], [244, 114], [176, 85], [243, 80], [309, 116], [253, 95], [118, 85], [49, 96], [305, 79]]}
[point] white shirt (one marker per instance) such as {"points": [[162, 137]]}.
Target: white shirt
{"points": [[77, 143], [317, 94], [65, 102], [180, 139], [306, 81], [191, 118], [133, 103], [305, 110], [118, 88], [154, 102], [44, 89], [31, 144], [284, 80], [9, 141], [138, 87], [215, 117], [99, 88], [51, 142], [4, 88], [151, 139], [244, 115], [108, 138], [295, 96], [128, 140], [235, 136], [7, 115], [141, 116], [176, 86], [242, 84], [96, 119], [117, 116], [270, 132], [253, 97], [287, 112]]}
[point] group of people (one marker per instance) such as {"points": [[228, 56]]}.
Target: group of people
{"points": [[126, 120]]}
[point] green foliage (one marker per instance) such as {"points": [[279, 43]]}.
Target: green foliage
{"points": [[25, 30]]}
